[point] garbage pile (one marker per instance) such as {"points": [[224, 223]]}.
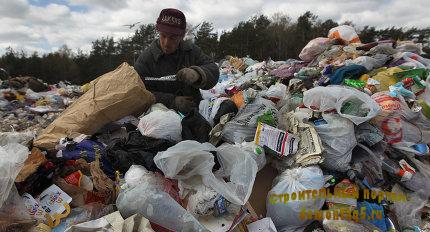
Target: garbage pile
{"points": [[345, 130], [28, 104]]}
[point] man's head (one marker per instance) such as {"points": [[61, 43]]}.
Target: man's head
{"points": [[171, 26]]}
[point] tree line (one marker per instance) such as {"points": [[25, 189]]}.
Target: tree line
{"points": [[260, 37]]}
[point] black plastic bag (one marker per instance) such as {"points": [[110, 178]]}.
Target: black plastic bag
{"points": [[136, 149]]}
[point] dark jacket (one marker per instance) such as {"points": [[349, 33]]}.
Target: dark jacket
{"points": [[154, 63]]}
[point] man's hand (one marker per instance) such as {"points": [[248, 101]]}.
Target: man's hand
{"points": [[189, 76]]}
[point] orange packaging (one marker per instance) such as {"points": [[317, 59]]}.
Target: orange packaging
{"points": [[238, 99], [74, 178]]}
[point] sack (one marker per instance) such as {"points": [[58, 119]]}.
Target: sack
{"points": [[348, 102], [286, 215], [113, 96]]}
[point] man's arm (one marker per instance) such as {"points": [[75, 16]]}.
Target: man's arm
{"points": [[141, 66], [205, 66], [143, 69]]}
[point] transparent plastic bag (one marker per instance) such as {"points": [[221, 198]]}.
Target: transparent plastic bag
{"points": [[242, 127], [348, 102], [255, 151], [16, 137], [314, 48], [84, 213], [415, 60], [14, 215], [338, 139], [348, 226], [241, 170], [276, 92], [161, 125], [368, 164], [12, 158], [186, 159], [209, 108], [190, 158], [286, 215], [369, 62], [408, 212], [401, 126], [145, 193], [345, 33]]}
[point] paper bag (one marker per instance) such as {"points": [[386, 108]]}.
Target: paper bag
{"points": [[112, 96]]}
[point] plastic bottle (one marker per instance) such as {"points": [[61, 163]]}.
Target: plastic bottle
{"points": [[158, 207], [87, 183], [143, 193], [394, 169]]}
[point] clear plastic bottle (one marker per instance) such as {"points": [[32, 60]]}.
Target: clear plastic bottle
{"points": [[158, 207], [143, 193]]}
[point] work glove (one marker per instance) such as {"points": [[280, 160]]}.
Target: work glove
{"points": [[184, 104], [189, 76]]}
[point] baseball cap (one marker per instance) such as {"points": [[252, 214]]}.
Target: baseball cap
{"points": [[171, 21]]}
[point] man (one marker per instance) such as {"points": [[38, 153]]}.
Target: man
{"points": [[170, 55]]}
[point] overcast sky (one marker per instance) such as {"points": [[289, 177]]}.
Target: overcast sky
{"points": [[45, 25]]}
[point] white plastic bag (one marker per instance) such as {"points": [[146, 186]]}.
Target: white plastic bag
{"points": [[255, 151], [209, 108], [314, 48], [335, 97], [265, 224], [286, 215], [113, 222], [242, 127], [202, 201], [369, 62], [345, 33], [16, 137], [338, 139], [277, 91], [161, 124], [242, 170], [12, 157], [137, 174], [401, 126], [408, 212], [31, 95], [191, 158]]}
